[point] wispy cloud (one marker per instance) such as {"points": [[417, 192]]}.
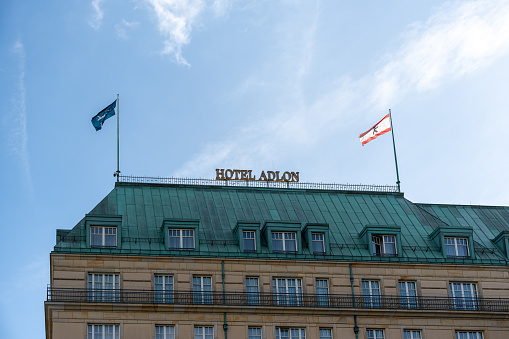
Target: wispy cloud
{"points": [[176, 20], [459, 39], [122, 28], [17, 119], [97, 18]]}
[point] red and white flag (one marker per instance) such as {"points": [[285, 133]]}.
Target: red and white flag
{"points": [[382, 127]]}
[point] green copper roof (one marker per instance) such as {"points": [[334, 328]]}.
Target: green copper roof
{"points": [[143, 208]]}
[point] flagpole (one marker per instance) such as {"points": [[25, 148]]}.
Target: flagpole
{"points": [[118, 138], [395, 158]]}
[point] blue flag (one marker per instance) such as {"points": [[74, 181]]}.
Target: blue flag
{"points": [[99, 118]]}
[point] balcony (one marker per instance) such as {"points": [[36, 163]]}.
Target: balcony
{"points": [[338, 301]]}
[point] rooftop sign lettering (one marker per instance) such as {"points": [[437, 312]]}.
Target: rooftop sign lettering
{"points": [[247, 175]]}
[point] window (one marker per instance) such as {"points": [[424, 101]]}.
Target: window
{"points": [[163, 286], [103, 332], [287, 291], [181, 239], [165, 332], [408, 294], [412, 334], [375, 334], [384, 245], [103, 287], [202, 290], [318, 243], [252, 291], [322, 291], [456, 247], [284, 242], [202, 332], [101, 236], [254, 333], [290, 333], [371, 293], [249, 240], [468, 335], [325, 333], [463, 296]]}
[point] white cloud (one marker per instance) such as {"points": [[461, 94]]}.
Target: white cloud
{"points": [[122, 28], [176, 20], [97, 18], [461, 38]]}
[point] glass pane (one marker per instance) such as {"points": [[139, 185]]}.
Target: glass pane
{"points": [[290, 242], [277, 242], [249, 241]]}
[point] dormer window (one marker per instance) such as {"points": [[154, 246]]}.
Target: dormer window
{"points": [[456, 247], [102, 236], [284, 242], [384, 245], [181, 239], [249, 241], [318, 243]]}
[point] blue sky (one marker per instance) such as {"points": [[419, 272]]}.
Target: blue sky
{"points": [[261, 85]]}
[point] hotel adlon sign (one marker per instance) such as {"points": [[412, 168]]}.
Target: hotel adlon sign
{"points": [[235, 174]]}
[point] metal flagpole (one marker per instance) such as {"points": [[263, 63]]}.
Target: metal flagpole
{"points": [[118, 138], [395, 158]]}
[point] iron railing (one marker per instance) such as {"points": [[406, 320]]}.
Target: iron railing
{"points": [[342, 301], [262, 184]]}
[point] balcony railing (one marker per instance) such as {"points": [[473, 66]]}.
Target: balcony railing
{"points": [[276, 300]]}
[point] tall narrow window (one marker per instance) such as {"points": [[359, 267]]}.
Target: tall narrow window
{"points": [[103, 287], [468, 335], [203, 332], [456, 247], [254, 333], [371, 293], [317, 240], [375, 334], [202, 290], [408, 294], [384, 245], [103, 332], [253, 297], [412, 334], [325, 333], [290, 333], [284, 242], [163, 289], [322, 291], [101, 236], [287, 291], [181, 239], [165, 332], [249, 239], [463, 296]]}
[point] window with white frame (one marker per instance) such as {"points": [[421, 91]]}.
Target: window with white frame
{"points": [[322, 292], [463, 296], [412, 334], [254, 333], [325, 333], [103, 287], [287, 291], [165, 332], [384, 245], [375, 334], [469, 335], [290, 333], [249, 241], [318, 243], [202, 290], [371, 293], [163, 288], [284, 242], [181, 239], [102, 236], [203, 332], [252, 291], [103, 331], [456, 247], [408, 294]]}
